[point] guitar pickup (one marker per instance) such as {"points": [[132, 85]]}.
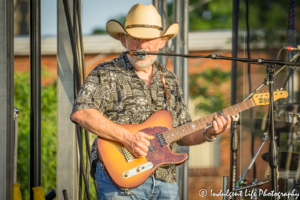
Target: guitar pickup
{"points": [[161, 139], [151, 147]]}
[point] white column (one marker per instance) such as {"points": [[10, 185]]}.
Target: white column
{"points": [[67, 148]]}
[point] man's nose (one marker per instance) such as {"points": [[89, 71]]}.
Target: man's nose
{"points": [[143, 43]]}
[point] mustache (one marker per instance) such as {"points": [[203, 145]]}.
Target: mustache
{"points": [[137, 59]]}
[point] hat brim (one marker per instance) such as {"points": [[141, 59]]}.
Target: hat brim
{"points": [[114, 28]]}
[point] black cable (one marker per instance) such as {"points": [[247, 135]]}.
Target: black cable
{"points": [[87, 139], [81, 161], [65, 194], [250, 84], [77, 83]]}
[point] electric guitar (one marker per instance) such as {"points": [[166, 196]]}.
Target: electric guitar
{"points": [[128, 171]]}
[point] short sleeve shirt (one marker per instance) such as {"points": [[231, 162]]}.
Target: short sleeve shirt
{"points": [[116, 91]]}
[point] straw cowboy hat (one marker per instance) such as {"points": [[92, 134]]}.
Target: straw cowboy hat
{"points": [[142, 22]]}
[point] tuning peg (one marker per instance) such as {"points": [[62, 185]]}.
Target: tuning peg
{"points": [[277, 90], [281, 89]]}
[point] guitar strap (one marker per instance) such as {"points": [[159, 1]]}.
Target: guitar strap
{"points": [[165, 89]]}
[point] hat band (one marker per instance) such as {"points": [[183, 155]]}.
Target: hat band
{"points": [[144, 25]]}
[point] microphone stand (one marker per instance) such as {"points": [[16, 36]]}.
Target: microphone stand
{"points": [[233, 148], [273, 151]]}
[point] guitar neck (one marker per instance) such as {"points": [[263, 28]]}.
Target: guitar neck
{"points": [[204, 122]]}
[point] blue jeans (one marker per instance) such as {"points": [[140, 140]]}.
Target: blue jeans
{"points": [[150, 189]]}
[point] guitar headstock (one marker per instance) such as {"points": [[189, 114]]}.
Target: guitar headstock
{"points": [[264, 98]]}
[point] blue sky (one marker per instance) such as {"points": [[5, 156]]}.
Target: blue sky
{"points": [[94, 13]]}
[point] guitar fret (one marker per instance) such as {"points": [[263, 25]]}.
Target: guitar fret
{"points": [[194, 127], [169, 137], [199, 124], [172, 134], [175, 134], [226, 111], [239, 107], [207, 121], [178, 133], [252, 102], [184, 131], [166, 137], [203, 122], [235, 108], [188, 128], [232, 110]]}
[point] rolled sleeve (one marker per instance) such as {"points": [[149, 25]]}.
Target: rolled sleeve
{"points": [[91, 93]]}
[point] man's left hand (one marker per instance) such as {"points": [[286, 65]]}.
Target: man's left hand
{"points": [[220, 124]]}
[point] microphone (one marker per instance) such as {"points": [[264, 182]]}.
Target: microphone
{"points": [[140, 54], [289, 48]]}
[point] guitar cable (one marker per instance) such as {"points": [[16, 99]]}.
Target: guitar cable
{"points": [[126, 191]]}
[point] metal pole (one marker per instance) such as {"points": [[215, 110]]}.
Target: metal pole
{"points": [[185, 50], [185, 87], [35, 95], [16, 116], [155, 4], [177, 40], [224, 186], [235, 22], [233, 150], [161, 7], [175, 61], [165, 24], [273, 155], [6, 99], [235, 17], [67, 152]]}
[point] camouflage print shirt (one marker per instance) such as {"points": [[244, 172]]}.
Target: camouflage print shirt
{"points": [[116, 91]]}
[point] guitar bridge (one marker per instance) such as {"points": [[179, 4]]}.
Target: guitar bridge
{"points": [[128, 156]]}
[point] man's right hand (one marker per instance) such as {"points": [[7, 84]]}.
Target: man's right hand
{"points": [[137, 143]]}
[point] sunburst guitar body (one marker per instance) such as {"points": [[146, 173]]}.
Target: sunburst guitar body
{"points": [[128, 172]]}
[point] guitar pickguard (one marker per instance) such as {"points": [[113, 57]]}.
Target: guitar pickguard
{"points": [[161, 155]]}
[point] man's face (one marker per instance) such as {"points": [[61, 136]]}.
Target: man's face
{"points": [[132, 44]]}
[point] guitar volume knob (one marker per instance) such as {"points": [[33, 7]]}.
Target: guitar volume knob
{"points": [[126, 174]]}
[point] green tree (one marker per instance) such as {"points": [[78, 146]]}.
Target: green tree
{"points": [[48, 132], [210, 86]]}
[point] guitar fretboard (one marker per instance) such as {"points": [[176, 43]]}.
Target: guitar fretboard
{"points": [[204, 122]]}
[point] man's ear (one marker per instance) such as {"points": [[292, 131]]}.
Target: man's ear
{"points": [[122, 39], [163, 42]]}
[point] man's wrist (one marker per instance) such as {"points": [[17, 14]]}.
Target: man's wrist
{"points": [[207, 137]]}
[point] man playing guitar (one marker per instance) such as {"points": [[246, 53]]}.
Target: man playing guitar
{"points": [[127, 90]]}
